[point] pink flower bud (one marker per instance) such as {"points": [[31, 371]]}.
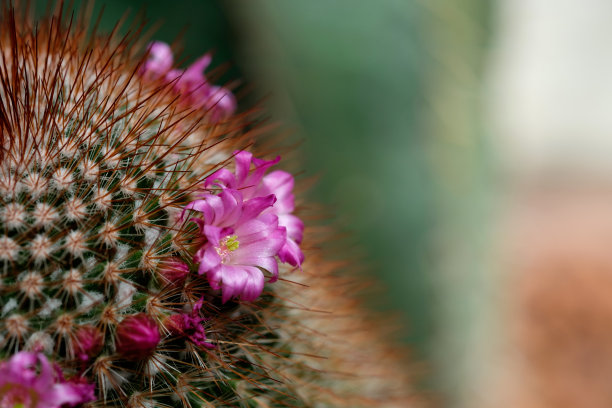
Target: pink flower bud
{"points": [[174, 271], [88, 342], [137, 337]]}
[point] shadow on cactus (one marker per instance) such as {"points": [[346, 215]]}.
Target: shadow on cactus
{"points": [[141, 240]]}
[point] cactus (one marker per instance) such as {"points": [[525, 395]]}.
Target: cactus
{"points": [[112, 170]]}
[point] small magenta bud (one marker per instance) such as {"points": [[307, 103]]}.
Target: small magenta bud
{"points": [[174, 271], [137, 337], [88, 342], [189, 325]]}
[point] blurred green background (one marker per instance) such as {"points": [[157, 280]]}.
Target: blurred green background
{"points": [[384, 97]]}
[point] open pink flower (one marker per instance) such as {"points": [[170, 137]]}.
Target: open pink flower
{"points": [[190, 83], [241, 241], [235, 260], [254, 183], [29, 380]]}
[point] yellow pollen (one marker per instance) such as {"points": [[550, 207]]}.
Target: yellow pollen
{"points": [[227, 245], [231, 243]]}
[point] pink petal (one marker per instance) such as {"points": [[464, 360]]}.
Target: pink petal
{"points": [[222, 177], [260, 248], [253, 207], [33, 374], [214, 212], [213, 234], [279, 183], [295, 226], [223, 209], [291, 253], [174, 75], [261, 235], [209, 261], [197, 306], [233, 206], [214, 277], [220, 102], [243, 164], [195, 72], [46, 372], [268, 263], [244, 281], [71, 394], [253, 286], [197, 205], [159, 59], [247, 181]]}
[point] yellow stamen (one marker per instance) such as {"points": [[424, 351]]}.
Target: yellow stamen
{"points": [[232, 243]]}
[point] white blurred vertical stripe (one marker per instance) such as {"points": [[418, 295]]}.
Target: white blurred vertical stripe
{"points": [[550, 83]]}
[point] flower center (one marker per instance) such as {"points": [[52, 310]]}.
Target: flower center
{"points": [[232, 243], [228, 245]]}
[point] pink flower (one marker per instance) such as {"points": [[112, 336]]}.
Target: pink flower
{"points": [[29, 380], [190, 83], [253, 183], [137, 337], [190, 326], [241, 240], [246, 225], [88, 342]]}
